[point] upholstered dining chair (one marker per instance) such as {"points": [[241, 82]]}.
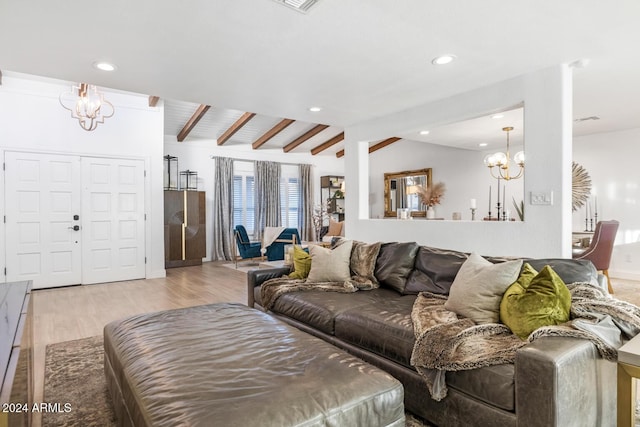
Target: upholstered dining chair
{"points": [[601, 247], [246, 248]]}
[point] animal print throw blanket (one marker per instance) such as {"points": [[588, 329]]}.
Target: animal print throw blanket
{"points": [[445, 342]]}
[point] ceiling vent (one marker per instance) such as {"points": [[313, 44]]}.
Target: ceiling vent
{"points": [[299, 5], [584, 119]]}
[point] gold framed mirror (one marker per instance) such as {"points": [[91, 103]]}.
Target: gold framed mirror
{"points": [[400, 192]]}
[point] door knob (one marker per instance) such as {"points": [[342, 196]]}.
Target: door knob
{"points": [[74, 228], [76, 217]]}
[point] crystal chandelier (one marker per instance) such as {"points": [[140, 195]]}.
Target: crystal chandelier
{"points": [[501, 160], [87, 105]]}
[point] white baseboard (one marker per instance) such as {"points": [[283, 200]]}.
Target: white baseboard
{"points": [[157, 274]]}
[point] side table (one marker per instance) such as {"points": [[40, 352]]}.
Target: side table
{"points": [[628, 371]]}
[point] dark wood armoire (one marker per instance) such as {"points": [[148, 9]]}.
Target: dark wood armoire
{"points": [[184, 228]]}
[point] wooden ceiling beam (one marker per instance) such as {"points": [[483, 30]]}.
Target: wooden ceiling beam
{"points": [[193, 121], [271, 133], [382, 144], [243, 120], [320, 148], [305, 136], [153, 100], [374, 147]]}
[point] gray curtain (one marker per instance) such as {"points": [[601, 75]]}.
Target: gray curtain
{"points": [[267, 196], [305, 211], [223, 239]]}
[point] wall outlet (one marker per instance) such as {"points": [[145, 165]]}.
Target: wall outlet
{"points": [[542, 198]]}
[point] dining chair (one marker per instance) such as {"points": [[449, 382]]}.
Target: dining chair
{"points": [[601, 247]]}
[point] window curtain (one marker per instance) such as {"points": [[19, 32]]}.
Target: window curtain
{"points": [[305, 211], [223, 238], [267, 196]]}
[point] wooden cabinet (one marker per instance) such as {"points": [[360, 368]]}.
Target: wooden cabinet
{"points": [[184, 228]]}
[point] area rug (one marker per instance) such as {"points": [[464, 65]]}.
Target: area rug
{"points": [[74, 374], [243, 267], [74, 377]]}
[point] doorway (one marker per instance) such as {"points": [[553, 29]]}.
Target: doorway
{"points": [[73, 219]]}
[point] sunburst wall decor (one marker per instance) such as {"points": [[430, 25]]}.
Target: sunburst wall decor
{"points": [[580, 186]]}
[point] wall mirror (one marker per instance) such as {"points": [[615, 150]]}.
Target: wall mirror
{"points": [[400, 192]]}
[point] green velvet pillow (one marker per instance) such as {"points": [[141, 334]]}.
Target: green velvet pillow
{"points": [[301, 263], [535, 300]]}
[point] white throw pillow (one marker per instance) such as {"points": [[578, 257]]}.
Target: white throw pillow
{"points": [[478, 288], [330, 265]]}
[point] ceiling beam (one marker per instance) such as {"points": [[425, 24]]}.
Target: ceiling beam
{"points": [[193, 121], [153, 100], [382, 144], [271, 133], [305, 136], [320, 148], [243, 120], [374, 147]]}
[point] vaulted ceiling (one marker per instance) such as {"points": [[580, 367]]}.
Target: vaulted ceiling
{"points": [[355, 60]]}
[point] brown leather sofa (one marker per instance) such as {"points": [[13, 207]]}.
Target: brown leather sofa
{"points": [[555, 381]]}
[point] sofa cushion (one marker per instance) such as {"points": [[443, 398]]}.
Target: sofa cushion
{"points": [[330, 265], [435, 269], [478, 287], [318, 309], [535, 300], [569, 270], [383, 327], [394, 264]]}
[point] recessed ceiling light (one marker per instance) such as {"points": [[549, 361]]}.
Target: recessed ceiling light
{"points": [[315, 109], [482, 144], [443, 59], [424, 132], [104, 66], [497, 116]]}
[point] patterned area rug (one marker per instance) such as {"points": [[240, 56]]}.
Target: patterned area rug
{"points": [[74, 375]]}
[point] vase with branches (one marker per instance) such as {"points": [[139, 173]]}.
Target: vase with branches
{"points": [[320, 214], [431, 196]]}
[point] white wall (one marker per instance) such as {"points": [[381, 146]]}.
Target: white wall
{"points": [[612, 162], [32, 119], [196, 155], [546, 231], [463, 172]]}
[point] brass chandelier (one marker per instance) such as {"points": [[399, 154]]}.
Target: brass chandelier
{"points": [[87, 105], [501, 161]]}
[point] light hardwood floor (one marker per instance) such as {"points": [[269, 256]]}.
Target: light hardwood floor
{"points": [[76, 312]]}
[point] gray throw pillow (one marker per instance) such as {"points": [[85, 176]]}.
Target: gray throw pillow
{"points": [[330, 265], [478, 288], [394, 264]]}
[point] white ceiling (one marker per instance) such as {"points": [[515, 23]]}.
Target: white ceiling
{"points": [[356, 59]]}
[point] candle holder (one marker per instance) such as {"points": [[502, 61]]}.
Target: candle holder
{"points": [[473, 214], [498, 206]]}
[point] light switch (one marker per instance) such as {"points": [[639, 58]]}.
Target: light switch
{"points": [[542, 198]]}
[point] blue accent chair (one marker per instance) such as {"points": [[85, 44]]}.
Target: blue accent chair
{"points": [[289, 236], [246, 248]]}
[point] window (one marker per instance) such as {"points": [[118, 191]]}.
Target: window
{"points": [[243, 204], [244, 193], [289, 201]]}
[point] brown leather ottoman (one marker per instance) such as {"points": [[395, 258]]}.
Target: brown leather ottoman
{"points": [[231, 365]]}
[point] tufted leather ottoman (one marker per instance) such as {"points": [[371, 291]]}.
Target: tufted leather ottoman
{"points": [[231, 365]]}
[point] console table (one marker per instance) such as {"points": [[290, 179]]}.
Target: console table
{"points": [[628, 371], [16, 352]]}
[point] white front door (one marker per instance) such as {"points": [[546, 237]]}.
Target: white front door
{"points": [[73, 220], [113, 220], [42, 197]]}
